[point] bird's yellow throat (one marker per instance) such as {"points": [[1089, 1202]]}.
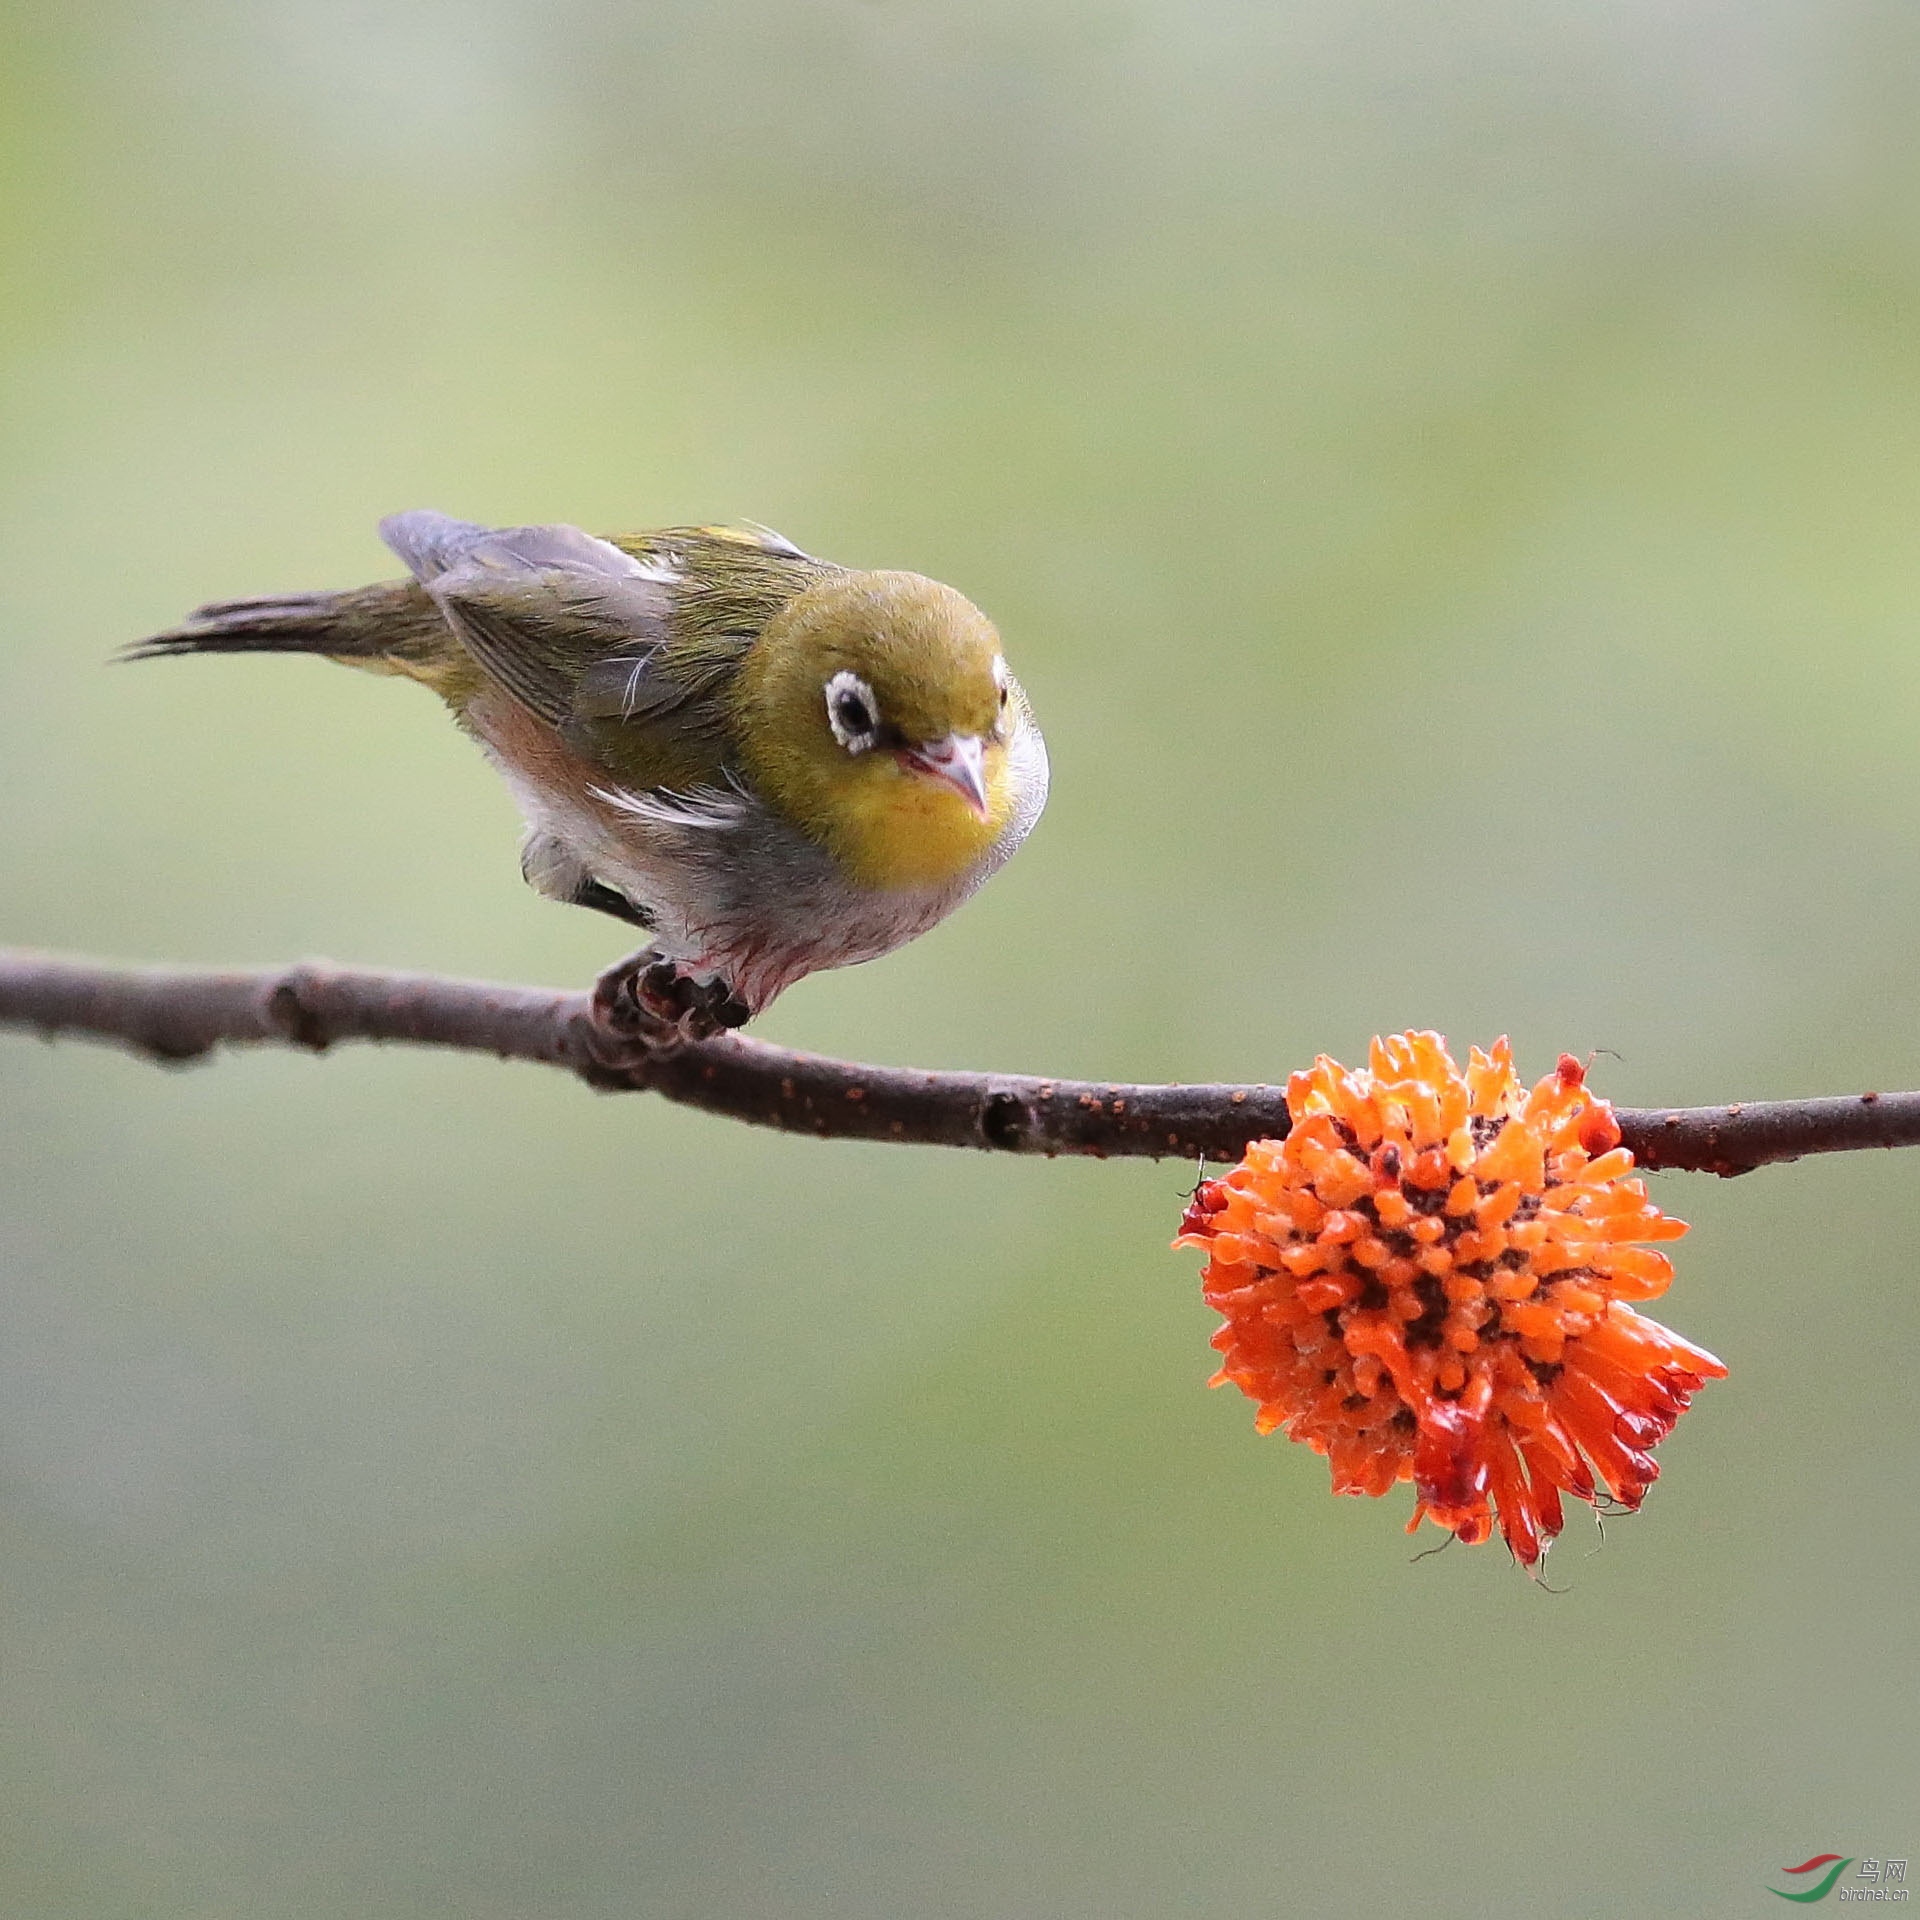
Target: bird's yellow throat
{"points": [[892, 828]]}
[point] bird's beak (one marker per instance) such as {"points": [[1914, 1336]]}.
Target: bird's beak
{"points": [[959, 761]]}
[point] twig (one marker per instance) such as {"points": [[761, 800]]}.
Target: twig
{"points": [[180, 1014]]}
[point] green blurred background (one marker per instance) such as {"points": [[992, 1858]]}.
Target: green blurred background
{"points": [[1448, 477]]}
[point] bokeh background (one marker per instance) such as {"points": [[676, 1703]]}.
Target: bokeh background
{"points": [[1449, 478]]}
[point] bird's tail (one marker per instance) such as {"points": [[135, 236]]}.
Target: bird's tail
{"points": [[391, 628], [279, 623]]}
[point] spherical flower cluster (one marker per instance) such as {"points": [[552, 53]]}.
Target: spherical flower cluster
{"points": [[1427, 1280]]}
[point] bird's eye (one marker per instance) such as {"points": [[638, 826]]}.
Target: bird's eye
{"points": [[852, 712]]}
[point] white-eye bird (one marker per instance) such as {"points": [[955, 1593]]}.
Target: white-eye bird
{"points": [[770, 763]]}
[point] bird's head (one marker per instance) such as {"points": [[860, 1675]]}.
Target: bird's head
{"points": [[875, 712]]}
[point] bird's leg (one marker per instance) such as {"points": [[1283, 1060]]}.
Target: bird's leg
{"points": [[653, 1001], [642, 1001], [590, 893], [551, 869]]}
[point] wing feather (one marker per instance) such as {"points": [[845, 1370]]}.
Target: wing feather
{"points": [[538, 608]]}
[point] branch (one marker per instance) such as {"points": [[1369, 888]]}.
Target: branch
{"points": [[180, 1014]]}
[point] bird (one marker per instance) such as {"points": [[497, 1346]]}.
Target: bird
{"points": [[768, 763]]}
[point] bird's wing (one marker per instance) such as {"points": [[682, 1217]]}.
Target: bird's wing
{"points": [[435, 544], [644, 680], [737, 578], [654, 710], [539, 608]]}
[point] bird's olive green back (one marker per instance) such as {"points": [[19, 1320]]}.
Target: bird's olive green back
{"points": [[652, 706], [676, 729]]}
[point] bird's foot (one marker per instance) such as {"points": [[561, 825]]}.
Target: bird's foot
{"points": [[653, 1003], [697, 1009]]}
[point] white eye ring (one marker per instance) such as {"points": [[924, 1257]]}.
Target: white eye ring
{"points": [[852, 711]]}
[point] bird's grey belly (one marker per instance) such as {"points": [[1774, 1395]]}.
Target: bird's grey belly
{"points": [[763, 905], [747, 898], [730, 888]]}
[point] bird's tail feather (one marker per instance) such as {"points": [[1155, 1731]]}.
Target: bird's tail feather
{"points": [[277, 623]]}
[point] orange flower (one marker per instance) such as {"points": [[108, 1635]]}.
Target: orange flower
{"points": [[1427, 1280]]}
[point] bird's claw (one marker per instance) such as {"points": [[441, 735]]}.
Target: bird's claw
{"points": [[697, 1009], [650, 1003]]}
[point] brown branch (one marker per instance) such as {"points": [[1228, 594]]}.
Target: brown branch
{"points": [[182, 1013]]}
